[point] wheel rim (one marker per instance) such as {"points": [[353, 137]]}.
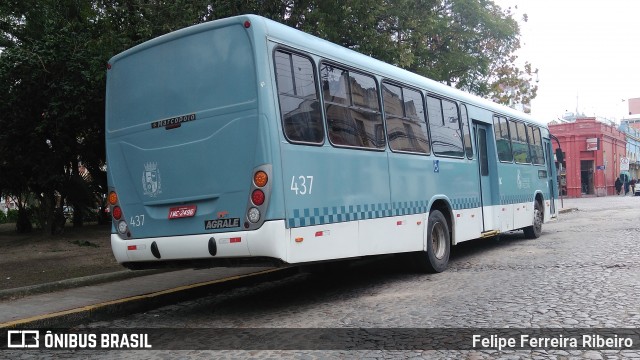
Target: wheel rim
{"points": [[537, 220], [438, 240]]}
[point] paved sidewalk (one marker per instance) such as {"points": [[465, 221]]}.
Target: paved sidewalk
{"points": [[72, 306], [596, 202]]}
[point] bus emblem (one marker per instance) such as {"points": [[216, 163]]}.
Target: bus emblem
{"points": [[151, 180], [223, 223]]}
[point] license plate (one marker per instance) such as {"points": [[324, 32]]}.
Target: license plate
{"points": [[182, 212]]}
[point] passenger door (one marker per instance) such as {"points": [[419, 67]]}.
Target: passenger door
{"points": [[488, 174]]}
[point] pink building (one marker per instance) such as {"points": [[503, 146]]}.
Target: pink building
{"points": [[592, 156]]}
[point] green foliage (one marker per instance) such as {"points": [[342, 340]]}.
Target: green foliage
{"points": [[468, 44], [12, 216], [53, 56], [3, 217]]}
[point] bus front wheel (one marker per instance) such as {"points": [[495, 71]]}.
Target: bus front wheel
{"points": [[535, 230], [438, 246]]}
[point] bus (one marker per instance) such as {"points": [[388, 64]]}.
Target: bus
{"points": [[242, 140]]}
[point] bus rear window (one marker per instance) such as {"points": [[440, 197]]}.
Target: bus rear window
{"points": [[195, 73]]}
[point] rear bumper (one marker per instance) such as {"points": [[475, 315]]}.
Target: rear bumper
{"points": [[269, 241]]}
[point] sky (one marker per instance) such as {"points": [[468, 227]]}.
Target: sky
{"points": [[587, 53]]}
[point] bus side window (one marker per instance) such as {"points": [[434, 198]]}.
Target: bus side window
{"points": [[468, 148], [299, 104], [444, 124], [406, 125], [352, 108], [503, 142], [520, 144], [535, 145]]}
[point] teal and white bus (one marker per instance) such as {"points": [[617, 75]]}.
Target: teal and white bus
{"points": [[244, 139]]}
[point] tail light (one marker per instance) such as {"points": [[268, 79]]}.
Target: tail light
{"points": [[259, 197], [260, 178], [117, 212], [113, 198], [118, 215]]}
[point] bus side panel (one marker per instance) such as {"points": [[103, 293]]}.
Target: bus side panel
{"points": [[526, 186], [416, 179], [327, 185], [507, 179]]}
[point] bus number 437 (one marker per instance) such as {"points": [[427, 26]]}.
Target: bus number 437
{"points": [[302, 185]]}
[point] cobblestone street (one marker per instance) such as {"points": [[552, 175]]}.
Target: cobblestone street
{"points": [[583, 272]]}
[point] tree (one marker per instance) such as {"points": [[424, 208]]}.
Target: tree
{"points": [[47, 76], [53, 54], [468, 44]]}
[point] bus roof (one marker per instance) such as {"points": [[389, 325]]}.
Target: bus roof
{"points": [[314, 45]]}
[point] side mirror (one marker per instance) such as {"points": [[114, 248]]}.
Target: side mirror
{"points": [[559, 155]]}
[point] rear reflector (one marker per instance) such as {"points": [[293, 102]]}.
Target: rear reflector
{"points": [[235, 240]]}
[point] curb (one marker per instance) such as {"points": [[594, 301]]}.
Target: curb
{"points": [[568, 210], [15, 293], [141, 303]]}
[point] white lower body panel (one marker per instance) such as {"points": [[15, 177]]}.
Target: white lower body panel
{"points": [[329, 241], [268, 241]]}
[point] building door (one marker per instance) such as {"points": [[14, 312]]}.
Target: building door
{"points": [[586, 177]]}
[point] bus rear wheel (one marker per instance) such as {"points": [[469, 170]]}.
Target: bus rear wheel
{"points": [[436, 257], [535, 230]]}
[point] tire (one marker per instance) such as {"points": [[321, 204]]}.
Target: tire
{"points": [[436, 257], [534, 231]]}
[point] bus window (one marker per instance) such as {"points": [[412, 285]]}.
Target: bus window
{"points": [[482, 152], [468, 148], [444, 124], [299, 105], [352, 108], [404, 113], [503, 142], [535, 145], [519, 143]]}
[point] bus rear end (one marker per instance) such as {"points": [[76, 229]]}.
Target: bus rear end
{"points": [[189, 171]]}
